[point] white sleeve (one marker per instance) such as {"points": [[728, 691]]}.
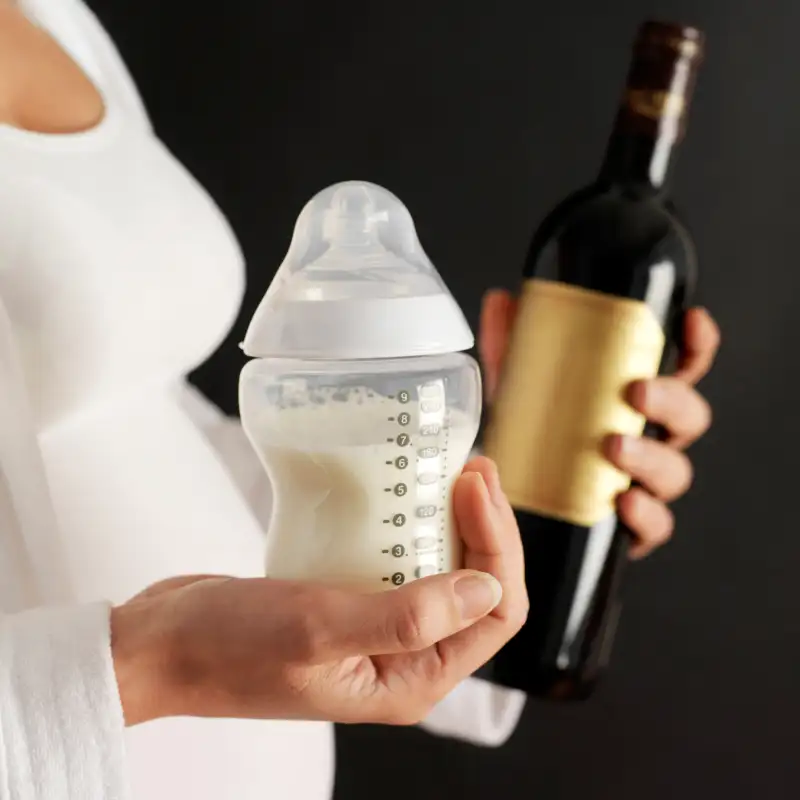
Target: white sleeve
{"points": [[61, 725], [475, 711], [61, 721], [478, 712]]}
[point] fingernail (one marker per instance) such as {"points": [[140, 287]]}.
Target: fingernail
{"points": [[478, 594], [636, 394]]}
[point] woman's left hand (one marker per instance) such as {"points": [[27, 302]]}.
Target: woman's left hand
{"points": [[661, 469]]}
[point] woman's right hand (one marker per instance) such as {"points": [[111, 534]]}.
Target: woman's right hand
{"points": [[211, 646]]}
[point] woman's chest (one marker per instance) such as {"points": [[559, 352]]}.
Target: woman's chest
{"points": [[119, 272]]}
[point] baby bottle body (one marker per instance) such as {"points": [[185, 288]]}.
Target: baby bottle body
{"points": [[362, 457]]}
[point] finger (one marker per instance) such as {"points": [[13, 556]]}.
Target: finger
{"points": [[700, 345], [405, 620], [664, 471], [492, 542], [178, 582], [497, 317], [650, 521], [486, 523], [675, 405]]}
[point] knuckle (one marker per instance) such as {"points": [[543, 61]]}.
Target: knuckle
{"points": [[516, 613], [714, 333], [675, 481], [686, 478], [411, 626], [706, 417], [663, 533]]}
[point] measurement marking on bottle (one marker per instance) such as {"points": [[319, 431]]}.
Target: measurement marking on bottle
{"points": [[403, 439], [428, 452], [429, 430], [403, 396], [398, 551], [398, 579], [401, 462], [404, 418], [423, 543], [401, 490], [398, 520], [391, 419], [425, 512], [427, 478]]}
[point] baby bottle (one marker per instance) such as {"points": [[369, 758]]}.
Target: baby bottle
{"points": [[359, 400]]}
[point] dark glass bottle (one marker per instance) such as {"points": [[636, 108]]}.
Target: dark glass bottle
{"points": [[606, 282]]}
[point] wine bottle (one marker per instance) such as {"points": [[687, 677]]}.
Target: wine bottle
{"points": [[608, 276]]}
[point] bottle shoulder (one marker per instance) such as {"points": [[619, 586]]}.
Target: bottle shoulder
{"points": [[613, 241], [600, 216]]}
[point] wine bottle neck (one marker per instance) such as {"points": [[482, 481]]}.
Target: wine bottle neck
{"points": [[639, 162], [651, 119]]}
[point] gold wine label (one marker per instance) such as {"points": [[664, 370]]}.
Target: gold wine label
{"points": [[655, 104], [572, 355]]}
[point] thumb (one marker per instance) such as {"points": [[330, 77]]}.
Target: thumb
{"points": [[416, 616]]}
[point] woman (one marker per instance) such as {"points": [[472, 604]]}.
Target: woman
{"points": [[118, 276]]}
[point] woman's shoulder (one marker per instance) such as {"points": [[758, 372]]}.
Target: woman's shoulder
{"points": [[41, 88]]}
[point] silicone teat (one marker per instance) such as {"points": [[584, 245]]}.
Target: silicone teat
{"points": [[356, 283], [351, 229], [352, 220]]}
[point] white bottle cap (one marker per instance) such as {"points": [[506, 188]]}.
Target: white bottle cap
{"points": [[356, 284]]}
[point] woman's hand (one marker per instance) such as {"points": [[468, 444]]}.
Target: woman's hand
{"points": [[661, 468], [257, 648]]}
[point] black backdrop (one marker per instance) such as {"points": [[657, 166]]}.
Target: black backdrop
{"points": [[480, 116]]}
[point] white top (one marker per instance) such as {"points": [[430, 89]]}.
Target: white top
{"points": [[356, 284], [118, 275]]}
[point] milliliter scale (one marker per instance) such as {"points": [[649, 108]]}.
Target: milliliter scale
{"points": [[420, 479]]}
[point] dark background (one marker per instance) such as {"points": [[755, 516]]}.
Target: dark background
{"points": [[480, 116]]}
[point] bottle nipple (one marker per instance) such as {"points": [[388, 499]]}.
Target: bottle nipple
{"points": [[352, 219], [356, 284]]}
